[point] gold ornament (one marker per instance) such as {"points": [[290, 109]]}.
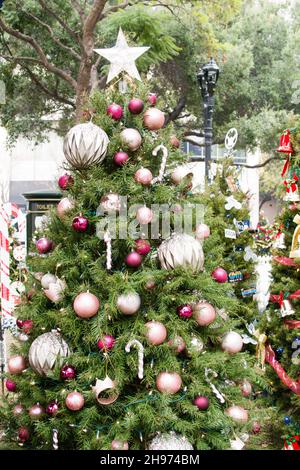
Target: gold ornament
{"points": [[104, 385]]}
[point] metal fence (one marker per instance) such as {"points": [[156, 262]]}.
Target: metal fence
{"points": [[218, 152]]}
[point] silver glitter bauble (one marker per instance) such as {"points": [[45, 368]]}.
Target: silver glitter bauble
{"points": [[46, 350], [181, 250], [170, 441], [84, 145]]}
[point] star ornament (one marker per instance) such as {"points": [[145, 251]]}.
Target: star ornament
{"points": [[122, 58]]}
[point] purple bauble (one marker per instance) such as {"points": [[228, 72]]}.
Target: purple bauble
{"points": [[220, 275], [115, 111], [142, 247], [23, 434], [44, 245], [68, 372], [201, 402], [185, 311], [52, 408], [80, 223], [152, 99], [106, 342], [10, 385], [136, 106], [120, 158], [65, 181], [133, 260]]}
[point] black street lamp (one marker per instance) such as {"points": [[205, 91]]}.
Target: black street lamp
{"points": [[207, 78]]}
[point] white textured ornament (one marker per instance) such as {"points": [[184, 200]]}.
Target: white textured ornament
{"points": [[170, 441], [250, 255], [19, 253], [232, 203], [181, 250], [263, 271], [46, 350]]}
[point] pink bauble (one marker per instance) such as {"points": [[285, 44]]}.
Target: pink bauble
{"points": [[178, 174], [10, 385], [136, 106], [232, 342], [201, 402], [65, 205], [119, 445], [184, 311], [142, 247], [204, 313], [237, 413], [115, 111], [44, 245], [18, 409], [144, 215], [110, 203], [16, 364], [246, 388], [293, 207], [23, 434], [68, 372], [74, 401], [86, 305], [202, 231], [80, 223], [106, 343], [177, 344], [120, 158], [133, 260], [152, 99], [154, 119], [129, 303], [143, 176], [52, 408], [65, 181], [36, 411], [150, 284], [174, 141], [156, 332], [220, 275], [256, 427], [168, 382], [131, 138]]}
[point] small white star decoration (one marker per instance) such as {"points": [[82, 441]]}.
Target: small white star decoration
{"points": [[122, 58]]}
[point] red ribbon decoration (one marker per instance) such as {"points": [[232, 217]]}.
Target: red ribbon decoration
{"points": [[291, 184], [286, 166], [284, 261], [293, 385], [279, 298], [292, 324]]}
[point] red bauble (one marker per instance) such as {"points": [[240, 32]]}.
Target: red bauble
{"points": [[142, 247], [177, 344], [10, 385], [44, 245], [65, 181], [136, 106], [68, 372], [106, 342], [201, 402], [256, 427], [152, 99], [80, 223], [52, 408], [16, 364], [120, 158], [36, 411], [23, 434], [115, 111], [74, 401], [220, 275], [185, 311], [174, 141], [133, 260], [25, 325]]}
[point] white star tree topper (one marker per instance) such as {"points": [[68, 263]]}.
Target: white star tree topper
{"points": [[122, 58]]}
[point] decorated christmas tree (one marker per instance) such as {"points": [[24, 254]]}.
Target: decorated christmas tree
{"points": [[135, 333]]}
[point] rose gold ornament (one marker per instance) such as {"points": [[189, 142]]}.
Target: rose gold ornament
{"points": [[64, 206], [237, 413], [55, 290], [154, 119], [16, 364], [178, 174], [86, 305], [105, 385], [119, 445], [75, 401], [131, 138], [202, 231], [111, 203], [129, 303], [246, 388], [177, 344], [204, 313], [144, 215], [168, 382], [143, 176], [174, 141], [18, 409], [156, 332], [232, 342], [36, 411]]}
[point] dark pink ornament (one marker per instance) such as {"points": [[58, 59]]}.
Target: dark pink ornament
{"points": [[23, 434], [52, 408], [142, 247], [120, 158], [152, 99], [201, 402], [25, 325], [133, 260], [256, 427], [220, 275], [136, 106], [68, 372], [44, 245], [106, 343], [10, 385], [65, 181], [115, 111], [80, 223], [185, 311]]}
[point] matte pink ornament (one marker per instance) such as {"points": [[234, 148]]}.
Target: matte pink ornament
{"points": [[142, 247], [133, 260], [120, 158], [202, 231], [143, 176], [18, 409], [36, 411], [220, 275], [150, 284], [129, 303], [177, 344], [232, 342], [119, 445], [144, 215], [10, 385], [23, 434], [16, 364], [204, 313], [44, 245], [52, 408], [152, 99], [65, 181], [115, 111], [246, 388], [184, 311], [75, 401], [110, 203], [106, 343], [154, 119], [64, 206], [174, 141], [156, 332], [80, 223], [237, 413], [131, 138], [168, 382], [136, 106], [201, 402], [86, 305]]}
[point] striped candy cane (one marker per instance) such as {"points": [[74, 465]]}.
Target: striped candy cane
{"points": [[140, 348]]}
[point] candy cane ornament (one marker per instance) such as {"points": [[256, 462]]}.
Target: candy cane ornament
{"points": [[165, 153], [218, 394], [140, 348], [55, 439], [107, 240]]}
